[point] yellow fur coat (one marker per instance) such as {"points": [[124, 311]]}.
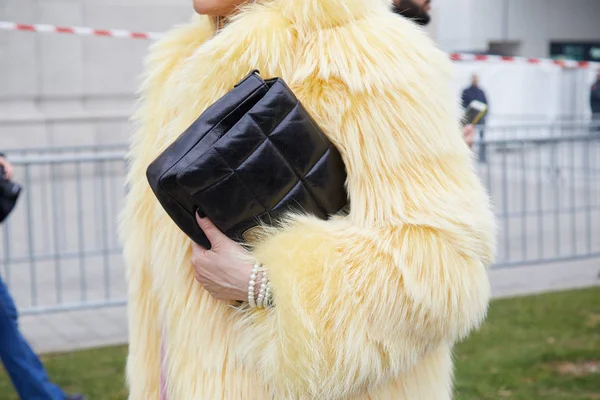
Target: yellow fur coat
{"points": [[369, 305]]}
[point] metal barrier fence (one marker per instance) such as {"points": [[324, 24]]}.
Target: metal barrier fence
{"points": [[518, 130], [546, 191], [59, 250]]}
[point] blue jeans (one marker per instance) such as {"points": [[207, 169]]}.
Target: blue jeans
{"points": [[22, 364]]}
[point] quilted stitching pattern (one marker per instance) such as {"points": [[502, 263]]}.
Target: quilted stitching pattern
{"points": [[251, 163]]}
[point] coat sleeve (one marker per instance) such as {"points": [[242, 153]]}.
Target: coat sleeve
{"points": [[361, 298]]}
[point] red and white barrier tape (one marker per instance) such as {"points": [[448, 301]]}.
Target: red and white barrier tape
{"points": [[77, 30], [119, 33], [523, 60]]}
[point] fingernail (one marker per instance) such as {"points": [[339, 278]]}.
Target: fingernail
{"points": [[200, 213]]}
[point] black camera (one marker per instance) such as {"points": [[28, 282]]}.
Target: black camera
{"points": [[8, 189], [9, 194]]}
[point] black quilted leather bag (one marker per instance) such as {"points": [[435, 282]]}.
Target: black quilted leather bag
{"points": [[251, 157]]}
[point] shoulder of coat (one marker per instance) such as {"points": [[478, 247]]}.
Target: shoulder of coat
{"points": [[379, 50]]}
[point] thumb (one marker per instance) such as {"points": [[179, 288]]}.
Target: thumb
{"points": [[214, 235]]}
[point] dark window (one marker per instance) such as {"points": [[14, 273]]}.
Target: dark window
{"points": [[578, 51]]}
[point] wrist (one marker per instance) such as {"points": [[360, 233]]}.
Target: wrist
{"points": [[259, 289]]}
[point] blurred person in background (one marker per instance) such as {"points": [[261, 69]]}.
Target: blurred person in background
{"points": [[9, 191], [368, 304], [21, 363], [6, 166], [471, 93], [595, 103], [418, 12]]}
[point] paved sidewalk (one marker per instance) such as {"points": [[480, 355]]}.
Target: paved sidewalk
{"points": [[103, 327], [66, 331]]}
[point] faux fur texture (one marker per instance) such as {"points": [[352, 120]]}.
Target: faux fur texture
{"points": [[368, 305]]}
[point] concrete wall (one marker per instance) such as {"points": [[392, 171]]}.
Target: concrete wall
{"points": [[50, 84], [61, 90], [469, 25]]}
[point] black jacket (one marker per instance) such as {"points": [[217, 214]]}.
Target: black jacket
{"points": [[595, 97]]}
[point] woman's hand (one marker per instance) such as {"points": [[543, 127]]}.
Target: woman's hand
{"points": [[8, 169], [222, 269], [469, 134]]}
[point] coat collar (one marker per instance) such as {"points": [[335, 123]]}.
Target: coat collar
{"points": [[307, 15], [192, 67], [315, 14]]}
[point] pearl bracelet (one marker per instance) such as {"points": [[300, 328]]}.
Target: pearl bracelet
{"points": [[261, 292], [265, 294], [251, 284], [268, 303]]}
